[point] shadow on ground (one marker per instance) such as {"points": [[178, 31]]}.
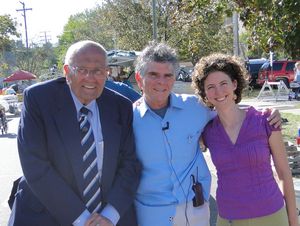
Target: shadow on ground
{"points": [[9, 135]]}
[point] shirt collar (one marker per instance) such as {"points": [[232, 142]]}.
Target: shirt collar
{"points": [[175, 102], [91, 106]]}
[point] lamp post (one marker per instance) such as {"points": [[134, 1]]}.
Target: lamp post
{"points": [[154, 25], [271, 45], [235, 24]]}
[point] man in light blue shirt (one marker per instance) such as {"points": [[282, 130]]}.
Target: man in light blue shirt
{"points": [[167, 129]]}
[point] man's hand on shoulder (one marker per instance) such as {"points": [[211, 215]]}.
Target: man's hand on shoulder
{"points": [[274, 118], [97, 220]]}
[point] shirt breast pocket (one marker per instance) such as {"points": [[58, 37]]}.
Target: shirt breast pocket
{"points": [[193, 138]]}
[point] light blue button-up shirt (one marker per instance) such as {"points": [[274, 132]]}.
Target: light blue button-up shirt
{"points": [[169, 151]]}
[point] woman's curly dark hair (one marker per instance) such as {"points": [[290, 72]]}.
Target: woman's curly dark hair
{"points": [[230, 65]]}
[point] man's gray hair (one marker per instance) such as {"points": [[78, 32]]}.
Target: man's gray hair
{"points": [[159, 53], [77, 47]]}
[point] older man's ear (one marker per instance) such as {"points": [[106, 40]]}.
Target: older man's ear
{"points": [[66, 70]]}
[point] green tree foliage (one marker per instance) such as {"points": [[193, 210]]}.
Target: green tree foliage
{"points": [[36, 59], [13, 56], [194, 29], [200, 29], [91, 25], [7, 31], [273, 18], [129, 22]]}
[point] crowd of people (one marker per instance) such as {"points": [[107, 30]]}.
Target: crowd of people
{"points": [[93, 157]]}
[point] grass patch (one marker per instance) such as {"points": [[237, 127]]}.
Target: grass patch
{"points": [[290, 129], [297, 106], [250, 93]]}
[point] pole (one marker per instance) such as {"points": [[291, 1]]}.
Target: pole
{"points": [[271, 45], [45, 37], [25, 23], [235, 24], [154, 20]]}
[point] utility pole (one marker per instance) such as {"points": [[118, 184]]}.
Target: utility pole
{"points": [[154, 20], [235, 26], [45, 38], [24, 15]]}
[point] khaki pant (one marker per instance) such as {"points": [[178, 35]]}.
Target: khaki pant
{"points": [[278, 218]]}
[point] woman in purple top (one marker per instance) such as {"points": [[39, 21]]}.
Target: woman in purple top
{"points": [[241, 143]]}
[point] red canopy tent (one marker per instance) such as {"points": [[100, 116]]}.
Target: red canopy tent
{"points": [[20, 75]]}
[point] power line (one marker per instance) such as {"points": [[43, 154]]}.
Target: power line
{"points": [[24, 15]]}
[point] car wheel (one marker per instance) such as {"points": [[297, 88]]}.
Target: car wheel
{"points": [[286, 82]]}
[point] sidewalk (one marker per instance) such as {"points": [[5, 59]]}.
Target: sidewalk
{"points": [[282, 105]]}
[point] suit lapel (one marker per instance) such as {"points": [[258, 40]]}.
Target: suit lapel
{"points": [[111, 131], [68, 128]]}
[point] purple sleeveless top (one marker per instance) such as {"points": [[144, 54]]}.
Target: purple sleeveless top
{"points": [[246, 186]]}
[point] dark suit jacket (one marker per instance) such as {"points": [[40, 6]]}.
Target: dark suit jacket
{"points": [[50, 193]]}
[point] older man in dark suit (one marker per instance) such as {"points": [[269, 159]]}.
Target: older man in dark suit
{"points": [[76, 148]]}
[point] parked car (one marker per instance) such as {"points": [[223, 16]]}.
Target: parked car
{"points": [[117, 56], [10, 91], [12, 101], [283, 70], [253, 66]]}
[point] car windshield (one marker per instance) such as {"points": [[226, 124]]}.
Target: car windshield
{"points": [[254, 67], [265, 66], [277, 66]]}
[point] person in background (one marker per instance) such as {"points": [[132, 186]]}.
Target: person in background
{"points": [[175, 182], [3, 116], [124, 77], [76, 147], [121, 88], [297, 72], [242, 143]]}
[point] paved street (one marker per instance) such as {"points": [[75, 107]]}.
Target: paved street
{"points": [[10, 168]]}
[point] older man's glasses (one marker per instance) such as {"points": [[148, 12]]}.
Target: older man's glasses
{"points": [[82, 71]]}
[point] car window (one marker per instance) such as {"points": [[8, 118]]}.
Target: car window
{"points": [[290, 66], [277, 66], [125, 54], [255, 67], [111, 53], [265, 66]]}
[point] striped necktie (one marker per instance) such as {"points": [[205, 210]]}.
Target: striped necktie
{"points": [[91, 175]]}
